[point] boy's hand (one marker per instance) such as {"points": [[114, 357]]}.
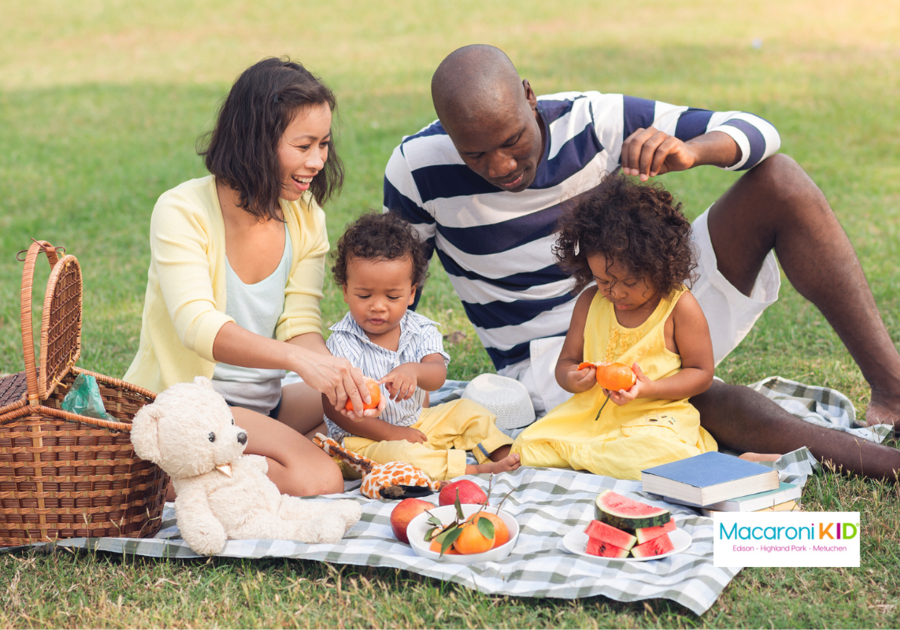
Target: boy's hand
{"points": [[580, 380], [413, 436], [642, 388], [401, 382]]}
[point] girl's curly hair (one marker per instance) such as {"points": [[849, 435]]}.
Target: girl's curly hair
{"points": [[377, 236], [639, 226]]}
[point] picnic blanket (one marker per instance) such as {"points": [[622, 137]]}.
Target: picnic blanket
{"points": [[822, 406], [547, 503]]}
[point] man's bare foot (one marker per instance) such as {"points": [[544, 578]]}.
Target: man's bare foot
{"points": [[507, 464], [760, 457], [883, 410]]}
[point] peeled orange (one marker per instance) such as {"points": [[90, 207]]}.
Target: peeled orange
{"points": [[374, 392], [615, 376]]}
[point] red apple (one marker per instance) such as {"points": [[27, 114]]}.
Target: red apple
{"points": [[403, 513], [469, 492]]}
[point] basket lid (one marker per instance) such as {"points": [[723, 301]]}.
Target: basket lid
{"points": [[60, 324]]}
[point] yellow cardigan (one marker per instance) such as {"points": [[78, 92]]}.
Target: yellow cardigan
{"points": [[184, 306]]}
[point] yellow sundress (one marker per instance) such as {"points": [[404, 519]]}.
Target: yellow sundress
{"points": [[629, 438]]}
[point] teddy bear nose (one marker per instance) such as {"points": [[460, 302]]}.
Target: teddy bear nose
{"points": [[242, 437]]}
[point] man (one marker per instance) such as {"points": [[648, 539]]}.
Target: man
{"points": [[485, 184]]}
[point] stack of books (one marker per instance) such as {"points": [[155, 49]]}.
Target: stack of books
{"points": [[716, 482]]}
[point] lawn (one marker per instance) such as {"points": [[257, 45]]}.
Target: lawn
{"points": [[101, 103]]}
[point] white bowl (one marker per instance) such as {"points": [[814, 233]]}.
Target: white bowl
{"points": [[447, 514]]}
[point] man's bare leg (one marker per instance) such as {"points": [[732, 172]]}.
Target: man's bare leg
{"points": [[777, 206], [744, 420]]}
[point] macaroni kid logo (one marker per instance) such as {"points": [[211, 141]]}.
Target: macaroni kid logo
{"points": [[786, 539]]}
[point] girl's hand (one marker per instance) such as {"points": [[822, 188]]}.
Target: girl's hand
{"points": [[642, 388], [580, 380], [401, 382]]}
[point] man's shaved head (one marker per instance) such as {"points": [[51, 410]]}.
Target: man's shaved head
{"points": [[490, 114], [472, 81]]}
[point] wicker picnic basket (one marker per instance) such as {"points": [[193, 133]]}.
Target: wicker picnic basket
{"points": [[64, 475]]}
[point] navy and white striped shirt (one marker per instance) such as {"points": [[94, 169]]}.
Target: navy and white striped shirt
{"points": [[419, 337], [495, 244]]}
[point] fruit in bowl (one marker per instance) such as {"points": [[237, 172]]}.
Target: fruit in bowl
{"points": [[428, 534]]}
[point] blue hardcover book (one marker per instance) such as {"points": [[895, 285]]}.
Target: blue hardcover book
{"points": [[709, 478]]}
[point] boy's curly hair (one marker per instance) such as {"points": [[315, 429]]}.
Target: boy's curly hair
{"points": [[376, 236], [639, 226]]}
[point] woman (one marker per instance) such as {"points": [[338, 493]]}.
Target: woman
{"points": [[236, 272]]}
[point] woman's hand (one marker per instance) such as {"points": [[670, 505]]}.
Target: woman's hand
{"points": [[642, 388], [339, 381], [578, 381]]}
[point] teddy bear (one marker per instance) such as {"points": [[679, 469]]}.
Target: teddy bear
{"points": [[189, 432]]}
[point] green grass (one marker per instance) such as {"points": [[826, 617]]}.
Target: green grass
{"points": [[100, 105]]}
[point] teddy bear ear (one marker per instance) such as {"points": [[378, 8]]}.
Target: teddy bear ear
{"points": [[145, 433], [205, 382]]}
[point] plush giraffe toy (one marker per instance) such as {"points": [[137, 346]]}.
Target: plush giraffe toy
{"points": [[394, 480]]}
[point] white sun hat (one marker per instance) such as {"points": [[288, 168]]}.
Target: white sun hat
{"points": [[505, 397]]}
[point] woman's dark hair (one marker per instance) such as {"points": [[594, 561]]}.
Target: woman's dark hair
{"points": [[638, 226], [242, 149], [376, 236]]}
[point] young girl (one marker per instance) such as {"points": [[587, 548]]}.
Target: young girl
{"points": [[635, 244], [379, 263], [236, 271]]}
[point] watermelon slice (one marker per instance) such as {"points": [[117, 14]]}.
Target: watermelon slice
{"points": [[609, 534], [649, 533], [605, 550], [656, 547], [628, 514]]}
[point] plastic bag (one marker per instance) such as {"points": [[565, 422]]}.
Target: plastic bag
{"points": [[84, 399]]}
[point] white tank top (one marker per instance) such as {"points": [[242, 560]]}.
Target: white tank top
{"points": [[254, 307]]}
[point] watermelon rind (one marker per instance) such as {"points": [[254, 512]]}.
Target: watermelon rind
{"points": [[609, 534], [628, 514], [649, 533], [656, 547], [604, 550]]}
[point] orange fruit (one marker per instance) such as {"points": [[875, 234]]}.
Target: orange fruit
{"points": [[374, 392], [501, 531], [436, 548], [586, 364], [471, 540], [615, 376]]}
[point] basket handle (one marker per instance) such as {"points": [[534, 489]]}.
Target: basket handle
{"points": [[31, 376]]}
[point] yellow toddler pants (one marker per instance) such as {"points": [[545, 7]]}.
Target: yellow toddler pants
{"points": [[452, 429]]}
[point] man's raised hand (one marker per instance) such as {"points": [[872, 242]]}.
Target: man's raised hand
{"points": [[650, 152]]}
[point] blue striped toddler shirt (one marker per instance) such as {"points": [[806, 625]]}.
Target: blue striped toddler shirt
{"points": [[419, 337]]}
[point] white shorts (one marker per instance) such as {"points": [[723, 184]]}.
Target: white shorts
{"points": [[730, 315]]}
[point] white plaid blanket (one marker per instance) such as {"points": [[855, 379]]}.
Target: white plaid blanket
{"points": [[822, 406], [547, 504]]}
